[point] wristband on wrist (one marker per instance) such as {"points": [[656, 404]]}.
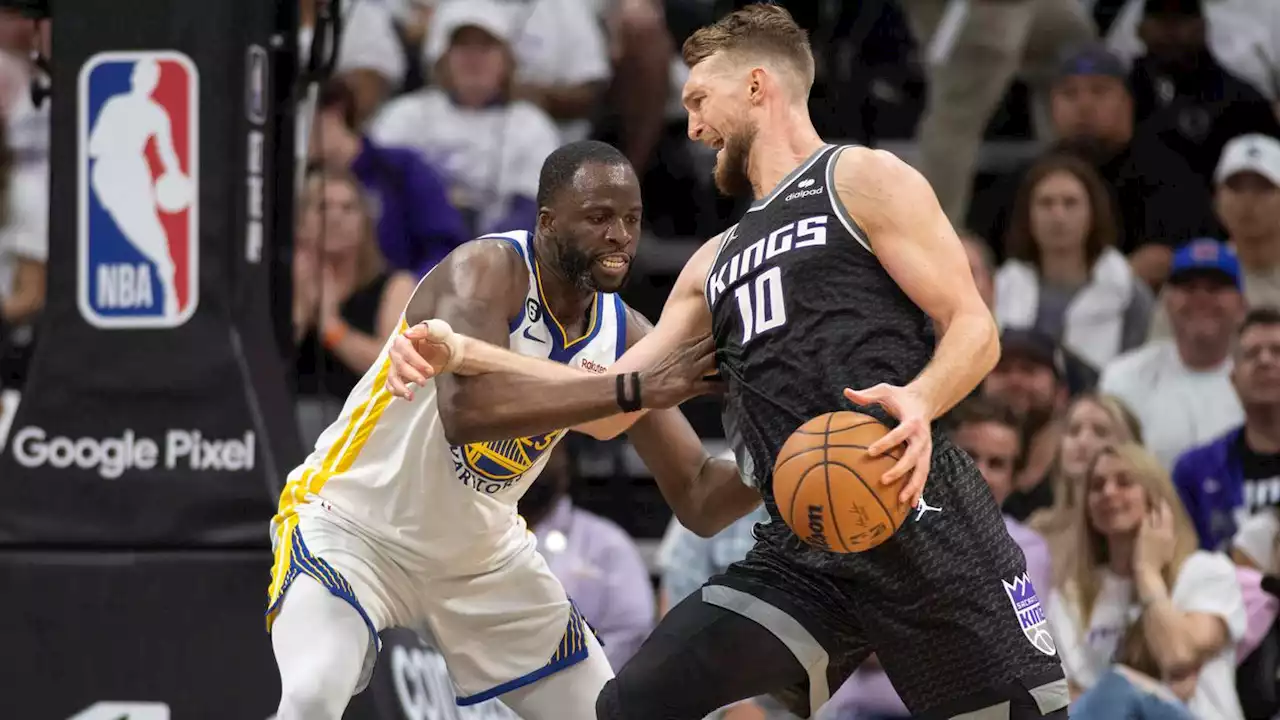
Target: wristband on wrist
{"points": [[333, 334], [628, 392]]}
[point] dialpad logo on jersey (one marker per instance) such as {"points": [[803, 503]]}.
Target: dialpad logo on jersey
{"points": [[805, 190], [492, 467], [138, 232], [1030, 612]]}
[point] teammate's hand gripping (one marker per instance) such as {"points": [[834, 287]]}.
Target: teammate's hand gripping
{"points": [[686, 372], [421, 352], [913, 429]]}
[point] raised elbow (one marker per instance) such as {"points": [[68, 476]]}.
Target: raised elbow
{"points": [[1179, 662], [991, 347], [702, 524]]}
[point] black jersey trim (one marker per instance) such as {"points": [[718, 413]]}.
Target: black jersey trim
{"points": [[838, 207], [790, 178]]}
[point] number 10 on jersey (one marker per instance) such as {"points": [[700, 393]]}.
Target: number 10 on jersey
{"points": [[760, 304]]}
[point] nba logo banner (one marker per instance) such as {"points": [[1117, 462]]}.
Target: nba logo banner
{"points": [[138, 190], [1030, 612]]}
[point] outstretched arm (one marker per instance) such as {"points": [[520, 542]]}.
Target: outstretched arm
{"points": [[685, 317], [477, 290]]}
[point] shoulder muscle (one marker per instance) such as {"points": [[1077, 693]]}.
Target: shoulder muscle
{"points": [[488, 271]]}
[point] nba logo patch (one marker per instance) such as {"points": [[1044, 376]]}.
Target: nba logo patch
{"points": [[138, 194], [1030, 612]]}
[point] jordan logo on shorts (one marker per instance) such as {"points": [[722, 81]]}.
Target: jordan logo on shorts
{"points": [[1031, 615]]}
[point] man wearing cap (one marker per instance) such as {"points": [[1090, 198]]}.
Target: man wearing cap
{"points": [[1180, 388], [1184, 95], [1160, 201], [1238, 474], [1247, 201], [490, 147], [1030, 380]]}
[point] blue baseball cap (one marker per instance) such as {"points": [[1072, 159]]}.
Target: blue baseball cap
{"points": [[1093, 60], [1206, 256]]}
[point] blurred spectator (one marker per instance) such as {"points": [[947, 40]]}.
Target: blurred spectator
{"points": [[1143, 595], [1160, 200], [1092, 423], [1180, 389], [1243, 35], [24, 200], [345, 302], [416, 225], [1030, 381], [466, 124], [24, 249], [989, 433], [1247, 201], [643, 56], [596, 561], [1254, 551], [1238, 474], [974, 50], [1064, 276], [1183, 95], [369, 58], [560, 57], [686, 562]]}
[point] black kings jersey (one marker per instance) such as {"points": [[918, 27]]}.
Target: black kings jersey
{"points": [[801, 309]]}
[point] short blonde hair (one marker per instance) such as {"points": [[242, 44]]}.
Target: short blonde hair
{"points": [[759, 28]]}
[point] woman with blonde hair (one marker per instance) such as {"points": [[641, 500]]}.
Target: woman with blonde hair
{"points": [[1144, 613], [1092, 422]]}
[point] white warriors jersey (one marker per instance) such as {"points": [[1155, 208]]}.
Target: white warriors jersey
{"points": [[385, 466]]}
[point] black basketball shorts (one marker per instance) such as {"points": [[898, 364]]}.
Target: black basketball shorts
{"points": [[945, 604]]}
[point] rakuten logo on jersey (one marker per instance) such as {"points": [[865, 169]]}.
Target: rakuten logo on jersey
{"points": [[114, 456]]}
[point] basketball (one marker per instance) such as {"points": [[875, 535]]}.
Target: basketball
{"points": [[828, 489], [173, 193]]}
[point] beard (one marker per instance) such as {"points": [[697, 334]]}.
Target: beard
{"points": [[578, 267], [731, 168]]}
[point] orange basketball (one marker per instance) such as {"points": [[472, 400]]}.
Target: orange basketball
{"points": [[828, 489]]}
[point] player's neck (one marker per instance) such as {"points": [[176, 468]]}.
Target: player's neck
{"points": [[781, 145], [566, 301]]}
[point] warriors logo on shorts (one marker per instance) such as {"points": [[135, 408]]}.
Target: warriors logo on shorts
{"points": [[1031, 614]]}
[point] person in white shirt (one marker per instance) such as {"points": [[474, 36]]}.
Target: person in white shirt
{"points": [[1142, 595], [489, 146], [1246, 199], [1180, 388], [561, 57], [369, 56]]}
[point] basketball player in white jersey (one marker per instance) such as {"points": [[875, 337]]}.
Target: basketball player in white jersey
{"points": [[405, 512]]}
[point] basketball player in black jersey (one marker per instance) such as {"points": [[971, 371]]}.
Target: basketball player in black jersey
{"points": [[834, 279]]}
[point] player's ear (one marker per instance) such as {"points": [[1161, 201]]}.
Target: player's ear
{"points": [[755, 85], [546, 219]]}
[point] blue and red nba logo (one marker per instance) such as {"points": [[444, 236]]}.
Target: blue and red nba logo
{"points": [[138, 190]]}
